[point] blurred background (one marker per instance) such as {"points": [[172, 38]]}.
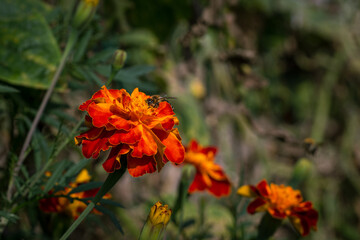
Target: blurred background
{"points": [[254, 78]]}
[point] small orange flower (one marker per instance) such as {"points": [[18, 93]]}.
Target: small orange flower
{"points": [[209, 175], [281, 201], [61, 204], [128, 124]]}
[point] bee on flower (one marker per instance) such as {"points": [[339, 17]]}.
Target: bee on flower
{"points": [[281, 202], [128, 125], [209, 175]]}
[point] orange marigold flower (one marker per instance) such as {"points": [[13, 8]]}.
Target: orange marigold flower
{"points": [[62, 204], [129, 124], [281, 201], [209, 175]]}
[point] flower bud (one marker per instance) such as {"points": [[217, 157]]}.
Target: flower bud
{"points": [[84, 12], [119, 59], [156, 222]]}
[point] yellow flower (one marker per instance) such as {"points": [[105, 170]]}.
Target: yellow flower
{"points": [[156, 222], [159, 214]]}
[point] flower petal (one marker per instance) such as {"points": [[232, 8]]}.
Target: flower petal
{"points": [[174, 151], [90, 135], [92, 148], [146, 146], [256, 206], [100, 113], [130, 137], [113, 162], [140, 166], [220, 188], [246, 191], [120, 123], [263, 188], [198, 183]]}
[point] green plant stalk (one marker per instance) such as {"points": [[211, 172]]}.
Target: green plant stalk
{"points": [[267, 227], [69, 46], [111, 77], [110, 181], [324, 100], [52, 157]]}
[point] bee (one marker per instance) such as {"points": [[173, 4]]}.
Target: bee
{"points": [[311, 146], [154, 100]]}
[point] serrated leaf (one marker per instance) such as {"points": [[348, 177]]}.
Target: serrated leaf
{"points": [[111, 215], [81, 47], [86, 186], [9, 216], [102, 56], [7, 89], [111, 202], [75, 169], [55, 176]]}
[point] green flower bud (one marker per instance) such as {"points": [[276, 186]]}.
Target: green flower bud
{"points": [[156, 222], [84, 13]]}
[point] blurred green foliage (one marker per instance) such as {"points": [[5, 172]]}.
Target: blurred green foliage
{"points": [[254, 78]]}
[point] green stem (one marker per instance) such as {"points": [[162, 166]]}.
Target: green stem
{"points": [[52, 158], [111, 180], [324, 99], [111, 77], [69, 46]]}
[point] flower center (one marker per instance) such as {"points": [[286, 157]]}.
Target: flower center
{"points": [[284, 198]]}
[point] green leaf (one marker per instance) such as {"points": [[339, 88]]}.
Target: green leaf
{"points": [[268, 226], [7, 89], [55, 176], [86, 186], [110, 181], [74, 170], [29, 54], [111, 202], [10, 216], [111, 215], [16, 8], [81, 47]]}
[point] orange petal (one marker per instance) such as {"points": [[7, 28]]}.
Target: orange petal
{"points": [[130, 137], [174, 151], [92, 148], [207, 150], [140, 166], [194, 146], [90, 135], [85, 105], [112, 162], [276, 213], [120, 123], [164, 109], [246, 191], [146, 146], [256, 205], [198, 184], [99, 113], [263, 188], [220, 188]]}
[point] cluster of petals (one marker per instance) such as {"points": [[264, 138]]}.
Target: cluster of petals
{"points": [[60, 201], [209, 175], [129, 125], [281, 202]]}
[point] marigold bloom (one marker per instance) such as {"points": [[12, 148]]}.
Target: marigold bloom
{"points": [[156, 222], [209, 175], [280, 202], [61, 204], [129, 125]]}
